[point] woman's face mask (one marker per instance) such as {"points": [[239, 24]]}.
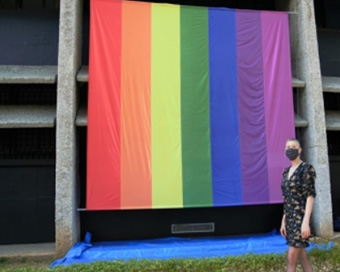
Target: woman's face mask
{"points": [[292, 153]]}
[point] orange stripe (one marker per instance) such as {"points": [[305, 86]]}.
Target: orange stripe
{"points": [[135, 111]]}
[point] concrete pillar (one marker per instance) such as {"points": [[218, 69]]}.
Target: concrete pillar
{"points": [[69, 62], [306, 66]]}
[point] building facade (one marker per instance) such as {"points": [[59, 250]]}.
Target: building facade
{"points": [[43, 117]]}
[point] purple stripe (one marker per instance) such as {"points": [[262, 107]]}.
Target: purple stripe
{"points": [[278, 96], [252, 128]]}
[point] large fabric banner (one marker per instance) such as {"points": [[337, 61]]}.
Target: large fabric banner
{"points": [[188, 106]]}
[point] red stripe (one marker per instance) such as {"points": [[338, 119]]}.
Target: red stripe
{"points": [[104, 129]]}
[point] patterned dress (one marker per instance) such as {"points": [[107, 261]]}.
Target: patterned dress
{"points": [[295, 192]]}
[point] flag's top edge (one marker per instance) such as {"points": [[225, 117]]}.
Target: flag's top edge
{"points": [[196, 7]]}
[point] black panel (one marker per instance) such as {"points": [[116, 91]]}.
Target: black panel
{"points": [[327, 19], [331, 101], [29, 4], [334, 164], [86, 23], [82, 139], [333, 140], [27, 144], [27, 197], [29, 37], [28, 94], [329, 51], [327, 13], [144, 224], [27, 185]]}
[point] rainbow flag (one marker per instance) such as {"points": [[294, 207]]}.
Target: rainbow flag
{"points": [[188, 106]]}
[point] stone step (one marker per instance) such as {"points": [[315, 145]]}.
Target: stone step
{"points": [[81, 119], [333, 120], [27, 250], [331, 84], [83, 74], [17, 74], [33, 116], [299, 121], [298, 83]]}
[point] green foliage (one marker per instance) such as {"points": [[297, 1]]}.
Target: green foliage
{"points": [[322, 260]]}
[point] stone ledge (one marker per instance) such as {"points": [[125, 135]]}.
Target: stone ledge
{"points": [[34, 116], [298, 83], [299, 121], [321, 240], [333, 120], [27, 250], [331, 84], [81, 119], [17, 74], [83, 76]]}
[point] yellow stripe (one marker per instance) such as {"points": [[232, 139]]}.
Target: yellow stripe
{"points": [[165, 107]]}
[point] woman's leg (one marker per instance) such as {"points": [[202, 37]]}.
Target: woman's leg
{"points": [[292, 257], [303, 258]]}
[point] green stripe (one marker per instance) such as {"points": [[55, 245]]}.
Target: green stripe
{"points": [[197, 187]]}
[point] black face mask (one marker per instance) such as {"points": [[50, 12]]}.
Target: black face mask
{"points": [[292, 153]]}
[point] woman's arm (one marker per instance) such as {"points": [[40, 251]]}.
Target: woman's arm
{"points": [[283, 226], [305, 229], [309, 179]]}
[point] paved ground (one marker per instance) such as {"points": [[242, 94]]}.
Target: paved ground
{"points": [[336, 237], [46, 249]]}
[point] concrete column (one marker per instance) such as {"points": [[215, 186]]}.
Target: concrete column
{"points": [[306, 66], [69, 61]]}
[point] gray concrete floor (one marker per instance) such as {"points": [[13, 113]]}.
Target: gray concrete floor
{"points": [[45, 249], [336, 237]]}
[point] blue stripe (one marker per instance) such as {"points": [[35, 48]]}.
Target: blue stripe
{"points": [[225, 144]]}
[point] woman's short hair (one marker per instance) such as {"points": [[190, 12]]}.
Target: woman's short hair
{"points": [[294, 140]]}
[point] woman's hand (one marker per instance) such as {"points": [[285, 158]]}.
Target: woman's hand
{"points": [[305, 230], [283, 228]]}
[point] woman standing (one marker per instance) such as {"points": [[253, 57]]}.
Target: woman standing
{"points": [[298, 194]]}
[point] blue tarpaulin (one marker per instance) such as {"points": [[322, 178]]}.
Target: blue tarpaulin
{"points": [[175, 247]]}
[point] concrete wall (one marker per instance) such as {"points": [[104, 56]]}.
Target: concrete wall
{"points": [[69, 62], [306, 66]]}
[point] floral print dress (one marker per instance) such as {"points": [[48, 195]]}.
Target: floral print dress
{"points": [[295, 192]]}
